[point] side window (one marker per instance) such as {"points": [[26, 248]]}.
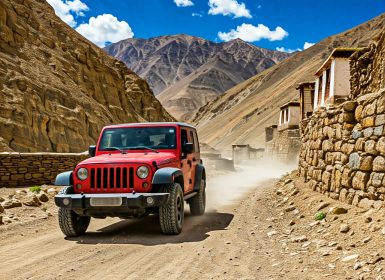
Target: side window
{"points": [[183, 136], [196, 142], [192, 140]]}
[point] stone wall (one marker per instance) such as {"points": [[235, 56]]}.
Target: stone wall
{"points": [[28, 169], [343, 146], [368, 68], [285, 146], [343, 149]]}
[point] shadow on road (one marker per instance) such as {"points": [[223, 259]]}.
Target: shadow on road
{"points": [[147, 231]]}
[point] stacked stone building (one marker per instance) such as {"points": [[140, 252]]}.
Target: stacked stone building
{"points": [[282, 141], [343, 141]]}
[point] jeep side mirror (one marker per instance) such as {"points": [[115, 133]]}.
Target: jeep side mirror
{"points": [[188, 148], [92, 150]]}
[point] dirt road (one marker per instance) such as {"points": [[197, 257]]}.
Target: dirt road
{"points": [[219, 245], [244, 235]]}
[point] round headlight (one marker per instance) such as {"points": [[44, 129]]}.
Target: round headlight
{"points": [[82, 173], [142, 172]]}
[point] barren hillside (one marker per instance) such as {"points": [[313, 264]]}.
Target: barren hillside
{"points": [[241, 114], [57, 89], [186, 72]]}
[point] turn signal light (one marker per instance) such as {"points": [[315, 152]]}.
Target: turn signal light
{"points": [[145, 185]]}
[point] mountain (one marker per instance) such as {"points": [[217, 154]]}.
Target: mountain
{"points": [[186, 72], [242, 113], [57, 89]]}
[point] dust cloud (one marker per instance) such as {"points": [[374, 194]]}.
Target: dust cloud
{"points": [[223, 190]]}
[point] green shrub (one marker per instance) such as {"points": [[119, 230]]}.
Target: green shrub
{"points": [[35, 189], [319, 216]]}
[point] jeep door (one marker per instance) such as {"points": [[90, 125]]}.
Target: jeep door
{"points": [[186, 161]]}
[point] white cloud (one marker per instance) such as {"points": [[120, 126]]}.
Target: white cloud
{"points": [[282, 49], [183, 3], [251, 33], [307, 45], [197, 15], [105, 28], [228, 8], [66, 9]]}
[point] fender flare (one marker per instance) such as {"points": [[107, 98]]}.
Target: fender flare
{"points": [[168, 175], [64, 179], [200, 172]]}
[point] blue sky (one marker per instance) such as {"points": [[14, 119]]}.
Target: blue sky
{"points": [[270, 24]]}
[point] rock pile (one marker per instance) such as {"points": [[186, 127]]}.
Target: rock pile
{"points": [[15, 204], [345, 244]]}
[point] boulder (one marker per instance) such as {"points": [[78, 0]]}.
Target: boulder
{"points": [[52, 191], [344, 228], [42, 197], [338, 210], [8, 204], [31, 200]]}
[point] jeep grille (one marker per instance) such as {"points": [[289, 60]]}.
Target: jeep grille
{"points": [[112, 177]]}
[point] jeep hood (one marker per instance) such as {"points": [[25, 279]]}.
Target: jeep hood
{"points": [[141, 157]]}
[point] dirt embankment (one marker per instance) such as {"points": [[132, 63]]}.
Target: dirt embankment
{"points": [[265, 231]]}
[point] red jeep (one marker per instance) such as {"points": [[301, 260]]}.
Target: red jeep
{"points": [[134, 170]]}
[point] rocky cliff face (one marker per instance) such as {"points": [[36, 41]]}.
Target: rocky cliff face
{"points": [[58, 89], [186, 72], [242, 113]]}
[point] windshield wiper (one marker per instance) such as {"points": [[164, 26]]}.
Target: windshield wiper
{"points": [[115, 149], [143, 148]]}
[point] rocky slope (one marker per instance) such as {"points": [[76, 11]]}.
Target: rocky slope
{"points": [[186, 72], [57, 89], [242, 113]]}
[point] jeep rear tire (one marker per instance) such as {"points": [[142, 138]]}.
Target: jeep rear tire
{"points": [[198, 202], [171, 214], [72, 224]]}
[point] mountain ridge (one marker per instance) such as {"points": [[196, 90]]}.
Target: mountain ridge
{"points": [[210, 68]]}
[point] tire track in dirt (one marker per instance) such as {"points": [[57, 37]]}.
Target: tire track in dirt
{"points": [[222, 244]]}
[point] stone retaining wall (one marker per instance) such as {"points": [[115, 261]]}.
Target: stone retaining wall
{"points": [[28, 169], [343, 151], [343, 146]]}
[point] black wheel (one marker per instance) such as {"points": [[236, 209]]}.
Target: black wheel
{"points": [[72, 224], [171, 214], [198, 202]]}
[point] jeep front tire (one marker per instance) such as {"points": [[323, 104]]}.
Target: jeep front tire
{"points": [[171, 214], [198, 202], [72, 224]]}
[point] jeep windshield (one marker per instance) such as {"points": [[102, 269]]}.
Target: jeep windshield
{"points": [[138, 138]]}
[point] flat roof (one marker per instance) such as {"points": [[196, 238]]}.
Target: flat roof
{"points": [[291, 103], [149, 124], [241, 145], [337, 52], [299, 85], [272, 126]]}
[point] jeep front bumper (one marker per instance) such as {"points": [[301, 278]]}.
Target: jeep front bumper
{"points": [[119, 201]]}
